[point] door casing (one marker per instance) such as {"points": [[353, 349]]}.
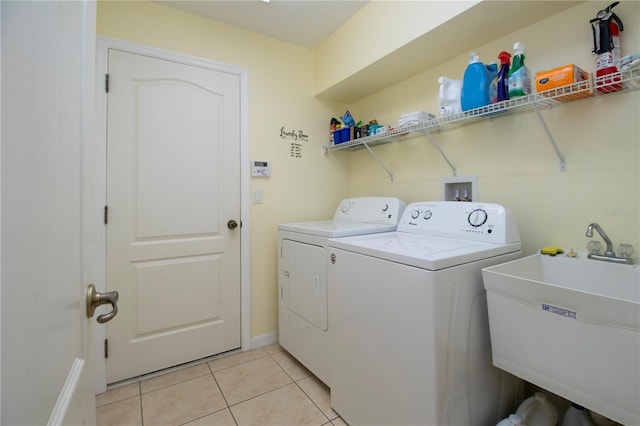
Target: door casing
{"points": [[103, 44]]}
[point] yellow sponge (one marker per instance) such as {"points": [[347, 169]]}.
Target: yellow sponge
{"points": [[552, 250]]}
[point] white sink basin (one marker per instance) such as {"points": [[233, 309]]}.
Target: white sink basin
{"points": [[571, 326]]}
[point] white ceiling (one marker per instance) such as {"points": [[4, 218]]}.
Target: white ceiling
{"points": [[303, 22]]}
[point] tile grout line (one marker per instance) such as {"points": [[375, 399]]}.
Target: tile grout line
{"points": [[302, 390], [311, 399], [259, 395], [172, 369], [118, 400], [223, 395], [228, 406], [172, 384], [184, 381], [184, 366], [196, 363], [329, 420], [235, 365]]}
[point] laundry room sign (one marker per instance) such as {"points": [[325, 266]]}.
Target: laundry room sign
{"points": [[296, 137]]}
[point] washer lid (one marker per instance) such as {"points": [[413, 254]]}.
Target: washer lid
{"points": [[422, 251], [336, 228]]}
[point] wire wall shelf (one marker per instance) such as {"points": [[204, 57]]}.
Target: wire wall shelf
{"points": [[625, 81]]}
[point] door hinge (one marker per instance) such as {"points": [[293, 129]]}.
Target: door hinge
{"points": [[106, 214], [106, 83], [106, 348]]}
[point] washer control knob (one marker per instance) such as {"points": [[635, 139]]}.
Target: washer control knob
{"points": [[415, 214], [427, 215], [345, 207], [385, 208], [477, 217]]}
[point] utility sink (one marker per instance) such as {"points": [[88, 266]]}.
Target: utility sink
{"points": [[570, 325]]}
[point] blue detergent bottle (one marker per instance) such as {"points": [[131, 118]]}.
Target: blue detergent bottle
{"points": [[475, 85]]}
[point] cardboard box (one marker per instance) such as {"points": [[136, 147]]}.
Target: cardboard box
{"points": [[561, 77]]}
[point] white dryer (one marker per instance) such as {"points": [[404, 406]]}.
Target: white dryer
{"points": [[408, 317], [302, 274]]}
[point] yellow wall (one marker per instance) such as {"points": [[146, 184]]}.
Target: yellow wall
{"points": [[391, 25], [280, 94], [514, 162], [511, 156]]}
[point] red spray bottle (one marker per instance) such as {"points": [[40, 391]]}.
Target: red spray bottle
{"points": [[503, 76]]}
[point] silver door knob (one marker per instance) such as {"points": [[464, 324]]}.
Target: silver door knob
{"points": [[232, 224], [95, 299]]}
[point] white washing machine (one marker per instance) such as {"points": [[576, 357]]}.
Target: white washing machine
{"points": [[302, 274], [408, 317]]}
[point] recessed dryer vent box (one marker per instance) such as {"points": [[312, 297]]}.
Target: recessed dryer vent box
{"points": [[460, 188]]}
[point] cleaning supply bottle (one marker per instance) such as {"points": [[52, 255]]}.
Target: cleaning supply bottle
{"points": [[519, 77], [449, 96], [475, 85], [492, 80], [577, 415], [537, 411], [512, 420], [503, 76]]}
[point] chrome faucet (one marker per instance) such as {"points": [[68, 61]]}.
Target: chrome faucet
{"points": [[609, 254], [609, 251]]}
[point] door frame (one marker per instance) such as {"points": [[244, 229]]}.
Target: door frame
{"points": [[103, 44]]}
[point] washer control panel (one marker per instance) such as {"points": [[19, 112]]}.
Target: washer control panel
{"points": [[478, 217], [470, 221]]}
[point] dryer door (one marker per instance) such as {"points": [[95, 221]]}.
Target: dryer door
{"points": [[305, 281]]}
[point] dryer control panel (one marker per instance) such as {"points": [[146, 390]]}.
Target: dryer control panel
{"points": [[486, 222], [383, 210]]}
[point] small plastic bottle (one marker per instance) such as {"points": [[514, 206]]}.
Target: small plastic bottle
{"points": [[537, 411], [503, 76], [519, 77]]}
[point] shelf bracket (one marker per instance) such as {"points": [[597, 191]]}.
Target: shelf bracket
{"points": [[435, 143], [379, 161], [563, 164]]}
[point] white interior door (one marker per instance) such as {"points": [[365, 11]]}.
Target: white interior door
{"points": [[48, 51], [173, 185]]}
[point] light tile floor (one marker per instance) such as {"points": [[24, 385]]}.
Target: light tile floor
{"points": [[262, 387]]}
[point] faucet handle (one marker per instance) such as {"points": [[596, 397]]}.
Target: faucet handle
{"points": [[594, 247], [626, 251]]}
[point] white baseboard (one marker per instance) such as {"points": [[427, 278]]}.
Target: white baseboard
{"points": [[264, 340]]}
